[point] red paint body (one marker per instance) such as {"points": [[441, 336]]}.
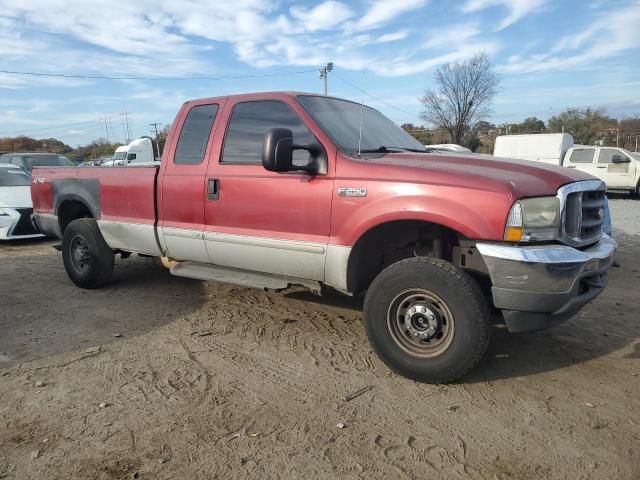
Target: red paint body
{"points": [[469, 194]]}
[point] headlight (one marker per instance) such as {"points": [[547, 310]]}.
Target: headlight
{"points": [[533, 219]]}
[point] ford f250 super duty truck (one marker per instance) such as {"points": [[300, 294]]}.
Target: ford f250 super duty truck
{"points": [[271, 190]]}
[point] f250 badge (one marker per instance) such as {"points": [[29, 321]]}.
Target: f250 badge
{"points": [[352, 192]]}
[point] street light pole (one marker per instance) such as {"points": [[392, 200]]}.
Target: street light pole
{"points": [[323, 73]]}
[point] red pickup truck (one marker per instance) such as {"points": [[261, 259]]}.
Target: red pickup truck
{"points": [[271, 190]]}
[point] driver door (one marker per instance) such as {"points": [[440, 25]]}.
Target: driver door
{"points": [[276, 223]]}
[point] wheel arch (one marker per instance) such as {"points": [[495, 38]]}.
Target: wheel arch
{"points": [[390, 241], [70, 208]]}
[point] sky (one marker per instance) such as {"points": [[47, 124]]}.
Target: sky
{"points": [[548, 54]]}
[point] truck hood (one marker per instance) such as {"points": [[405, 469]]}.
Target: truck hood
{"points": [[521, 178]]}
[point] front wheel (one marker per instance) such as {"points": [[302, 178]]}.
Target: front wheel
{"points": [[87, 258], [427, 319]]}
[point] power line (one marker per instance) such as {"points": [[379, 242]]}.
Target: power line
{"points": [[377, 98], [55, 127], [105, 77], [548, 111]]}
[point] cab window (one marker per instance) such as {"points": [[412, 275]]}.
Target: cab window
{"points": [[194, 137], [583, 155], [249, 123]]}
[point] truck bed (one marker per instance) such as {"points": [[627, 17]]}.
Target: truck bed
{"points": [[121, 199]]}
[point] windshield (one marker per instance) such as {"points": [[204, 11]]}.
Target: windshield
{"points": [[119, 156], [340, 120], [47, 161], [635, 155], [14, 177]]}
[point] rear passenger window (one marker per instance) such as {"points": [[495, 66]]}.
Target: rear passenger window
{"points": [[192, 143], [249, 123], [584, 155]]}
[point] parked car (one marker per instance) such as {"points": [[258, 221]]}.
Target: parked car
{"points": [[271, 190], [617, 167], [449, 147], [15, 204], [27, 161]]}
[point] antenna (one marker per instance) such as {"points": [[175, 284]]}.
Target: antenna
{"points": [[360, 132]]}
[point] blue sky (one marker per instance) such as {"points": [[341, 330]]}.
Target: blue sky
{"points": [[549, 55]]}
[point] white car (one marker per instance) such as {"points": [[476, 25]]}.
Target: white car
{"points": [[15, 204], [449, 147]]}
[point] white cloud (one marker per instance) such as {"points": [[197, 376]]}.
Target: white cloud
{"points": [[382, 11], [164, 37], [518, 9], [392, 37], [608, 35], [323, 16]]}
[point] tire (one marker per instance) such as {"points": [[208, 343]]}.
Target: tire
{"points": [[427, 319], [87, 258]]}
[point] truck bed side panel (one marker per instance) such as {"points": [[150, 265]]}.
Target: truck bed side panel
{"points": [[121, 199]]}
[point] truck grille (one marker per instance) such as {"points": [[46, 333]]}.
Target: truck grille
{"points": [[583, 213], [24, 225]]}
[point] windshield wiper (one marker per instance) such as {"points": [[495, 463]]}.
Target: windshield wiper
{"points": [[385, 149]]}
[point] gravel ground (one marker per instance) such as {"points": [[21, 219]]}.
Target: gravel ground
{"points": [[215, 381]]}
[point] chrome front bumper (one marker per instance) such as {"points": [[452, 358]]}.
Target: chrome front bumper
{"points": [[539, 286]]}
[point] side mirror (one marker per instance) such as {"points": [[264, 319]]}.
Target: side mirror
{"points": [[277, 153], [277, 150], [619, 159]]}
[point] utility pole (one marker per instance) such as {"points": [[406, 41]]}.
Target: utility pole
{"points": [[106, 129], [617, 135], [155, 127], [323, 73], [125, 117]]}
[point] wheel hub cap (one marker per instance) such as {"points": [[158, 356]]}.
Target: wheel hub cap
{"points": [[420, 322]]}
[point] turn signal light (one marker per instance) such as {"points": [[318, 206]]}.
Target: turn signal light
{"points": [[513, 234]]}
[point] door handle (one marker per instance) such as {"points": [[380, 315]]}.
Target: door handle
{"points": [[601, 167], [213, 189], [571, 166]]}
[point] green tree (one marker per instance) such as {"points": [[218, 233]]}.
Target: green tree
{"points": [[483, 127], [471, 140], [531, 125], [162, 138], [587, 126], [420, 133]]}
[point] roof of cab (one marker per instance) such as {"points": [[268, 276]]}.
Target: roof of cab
{"points": [[256, 96]]}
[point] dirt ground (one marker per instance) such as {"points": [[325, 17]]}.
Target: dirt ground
{"points": [[215, 381]]}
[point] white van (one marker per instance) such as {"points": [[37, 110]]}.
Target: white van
{"points": [[540, 147], [139, 151]]}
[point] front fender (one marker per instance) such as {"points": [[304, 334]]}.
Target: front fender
{"points": [[473, 214]]}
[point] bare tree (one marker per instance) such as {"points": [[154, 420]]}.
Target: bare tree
{"points": [[464, 96]]}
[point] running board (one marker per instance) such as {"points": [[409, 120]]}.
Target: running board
{"points": [[245, 278]]}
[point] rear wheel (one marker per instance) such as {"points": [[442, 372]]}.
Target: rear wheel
{"points": [[87, 258], [427, 319]]}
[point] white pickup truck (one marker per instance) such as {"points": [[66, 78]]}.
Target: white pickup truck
{"points": [[617, 167]]}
